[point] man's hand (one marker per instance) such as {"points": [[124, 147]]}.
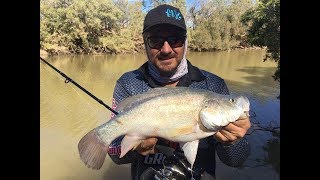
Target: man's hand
{"points": [[233, 131], [147, 146]]}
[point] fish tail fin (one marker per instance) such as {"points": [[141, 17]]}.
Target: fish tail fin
{"points": [[92, 151]]}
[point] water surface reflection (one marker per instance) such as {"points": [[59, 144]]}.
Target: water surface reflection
{"points": [[67, 113]]}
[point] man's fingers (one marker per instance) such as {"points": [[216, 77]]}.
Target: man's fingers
{"points": [[221, 138], [230, 136], [242, 123], [148, 142], [147, 146], [233, 129]]}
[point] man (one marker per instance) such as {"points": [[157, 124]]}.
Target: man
{"points": [[164, 34]]}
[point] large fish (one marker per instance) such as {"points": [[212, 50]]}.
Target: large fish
{"points": [[178, 114]]}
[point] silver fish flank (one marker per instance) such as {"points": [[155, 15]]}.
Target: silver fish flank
{"points": [[178, 114]]}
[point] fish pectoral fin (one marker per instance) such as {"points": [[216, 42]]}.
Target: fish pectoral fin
{"points": [[190, 150], [129, 142]]}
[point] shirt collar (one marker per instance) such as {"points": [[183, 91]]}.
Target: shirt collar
{"points": [[194, 74]]}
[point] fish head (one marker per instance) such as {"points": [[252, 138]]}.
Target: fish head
{"points": [[243, 103], [219, 112]]}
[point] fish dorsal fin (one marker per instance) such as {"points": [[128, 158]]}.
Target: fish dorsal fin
{"points": [[190, 150], [129, 142], [137, 99]]}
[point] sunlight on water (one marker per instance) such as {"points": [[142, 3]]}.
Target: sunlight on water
{"points": [[67, 113]]}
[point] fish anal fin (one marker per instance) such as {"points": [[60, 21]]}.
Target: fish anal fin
{"points": [[190, 150], [129, 142]]}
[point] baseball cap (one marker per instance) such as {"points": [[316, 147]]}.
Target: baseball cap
{"points": [[164, 14]]}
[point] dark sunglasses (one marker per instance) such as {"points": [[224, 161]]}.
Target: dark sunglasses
{"points": [[156, 42]]}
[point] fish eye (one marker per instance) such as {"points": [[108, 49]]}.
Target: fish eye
{"points": [[232, 100]]}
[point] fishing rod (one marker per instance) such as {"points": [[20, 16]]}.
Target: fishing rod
{"points": [[68, 79]]}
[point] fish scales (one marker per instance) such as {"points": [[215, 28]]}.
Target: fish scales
{"points": [[136, 118]]}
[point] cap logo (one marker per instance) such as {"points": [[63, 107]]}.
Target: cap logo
{"points": [[173, 13]]}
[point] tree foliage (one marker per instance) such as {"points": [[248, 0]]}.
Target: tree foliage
{"points": [[87, 26], [115, 26], [264, 29], [219, 21]]}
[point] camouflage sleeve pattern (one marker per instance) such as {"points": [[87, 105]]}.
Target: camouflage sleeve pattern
{"points": [[234, 155], [224, 88]]}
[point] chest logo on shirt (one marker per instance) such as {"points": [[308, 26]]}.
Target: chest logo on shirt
{"points": [[154, 158]]}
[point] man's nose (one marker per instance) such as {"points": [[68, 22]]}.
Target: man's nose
{"points": [[166, 48]]}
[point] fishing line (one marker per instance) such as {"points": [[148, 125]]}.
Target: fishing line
{"points": [[54, 74], [68, 79], [60, 78], [88, 105]]}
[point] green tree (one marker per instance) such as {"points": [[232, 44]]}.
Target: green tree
{"points": [[181, 4], [264, 29], [76, 26], [219, 21]]}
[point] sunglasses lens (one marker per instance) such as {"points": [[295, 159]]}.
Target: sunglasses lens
{"points": [[174, 41], [155, 42]]}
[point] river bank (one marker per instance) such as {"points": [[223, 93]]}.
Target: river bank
{"points": [[44, 53]]}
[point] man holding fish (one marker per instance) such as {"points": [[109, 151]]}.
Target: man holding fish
{"points": [[165, 39]]}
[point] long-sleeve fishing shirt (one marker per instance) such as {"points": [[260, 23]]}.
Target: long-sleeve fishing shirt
{"points": [[139, 81]]}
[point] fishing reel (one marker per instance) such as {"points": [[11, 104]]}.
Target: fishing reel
{"points": [[175, 167]]}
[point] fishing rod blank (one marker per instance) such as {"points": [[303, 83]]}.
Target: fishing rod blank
{"points": [[68, 79]]}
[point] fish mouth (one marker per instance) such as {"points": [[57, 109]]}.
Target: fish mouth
{"points": [[244, 115]]}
